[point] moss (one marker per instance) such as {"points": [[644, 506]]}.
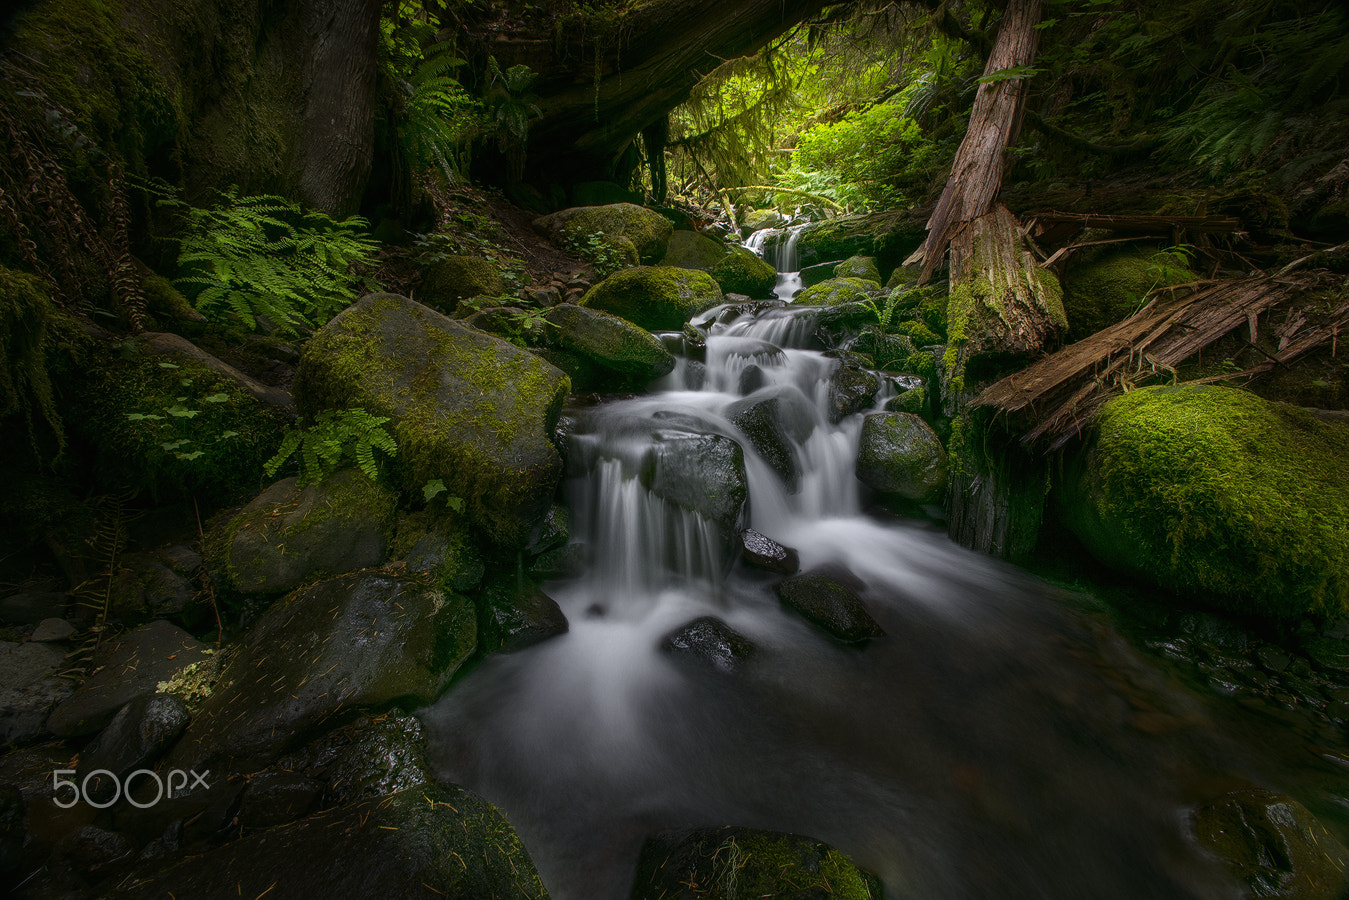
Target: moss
{"points": [[918, 332], [25, 387], [194, 683], [863, 267], [648, 231], [657, 298], [1106, 288], [1213, 491], [741, 272], [837, 291], [165, 301], [457, 277]]}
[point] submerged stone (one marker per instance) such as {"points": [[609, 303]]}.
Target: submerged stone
{"points": [[709, 642], [899, 453], [830, 606], [762, 552]]}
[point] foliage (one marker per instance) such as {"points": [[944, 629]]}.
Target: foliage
{"points": [[333, 437], [438, 246], [598, 250], [265, 256], [510, 103], [885, 311], [183, 442], [26, 313]]}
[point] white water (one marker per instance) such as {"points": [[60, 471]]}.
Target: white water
{"points": [[980, 749], [784, 257]]}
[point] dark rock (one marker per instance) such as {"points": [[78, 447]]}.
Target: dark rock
{"points": [[157, 584], [775, 423], [813, 275], [436, 838], [469, 409], [552, 531], [899, 453], [851, 390], [710, 643], [90, 850], [187, 814], [609, 341], [130, 667], [702, 473], [52, 631], [374, 758], [443, 549], [830, 606], [1328, 653], [359, 641], [763, 552], [136, 736], [12, 832], [689, 864], [291, 535], [513, 616], [29, 689], [913, 401], [31, 607], [1273, 844], [751, 379], [275, 798]]}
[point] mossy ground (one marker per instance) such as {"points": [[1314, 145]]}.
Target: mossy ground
{"points": [[837, 291], [1106, 288]]}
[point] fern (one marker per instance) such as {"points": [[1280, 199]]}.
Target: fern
{"points": [[263, 256], [334, 437]]}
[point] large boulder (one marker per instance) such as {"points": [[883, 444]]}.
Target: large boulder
{"points": [[456, 278], [469, 409], [693, 250], [775, 420], [658, 298], [899, 453], [740, 271], [702, 473], [290, 535], [29, 689], [360, 641], [744, 862], [889, 237], [647, 232], [610, 342], [433, 840], [837, 291], [1214, 491], [851, 390], [863, 267], [1107, 287]]}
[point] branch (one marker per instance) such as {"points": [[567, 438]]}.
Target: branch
{"points": [[949, 25], [1138, 144]]}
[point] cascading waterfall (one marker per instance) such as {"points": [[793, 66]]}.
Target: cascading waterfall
{"points": [[784, 256], [969, 753]]}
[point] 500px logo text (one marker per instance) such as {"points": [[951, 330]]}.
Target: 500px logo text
{"points": [[175, 784]]}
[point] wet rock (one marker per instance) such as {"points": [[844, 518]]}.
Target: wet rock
{"points": [[206, 808], [741, 272], [688, 864], [374, 758], [31, 607], [469, 409], [52, 631], [709, 643], [899, 453], [611, 342], [830, 606], [775, 423], [657, 298], [135, 738], [291, 535], [851, 390], [813, 275], [90, 850], [130, 667], [159, 584], [863, 267], [751, 379], [442, 548], [761, 551], [1330, 654], [913, 401], [512, 616], [552, 531], [1273, 844], [359, 641], [275, 798], [433, 840], [29, 689], [702, 473]]}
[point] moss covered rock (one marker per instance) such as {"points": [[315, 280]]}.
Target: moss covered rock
{"points": [[837, 291], [1213, 491], [1109, 287], [759, 219], [863, 267], [693, 250], [289, 535], [740, 271], [359, 641], [456, 278], [889, 237], [744, 862], [899, 453], [611, 342], [648, 232], [658, 298], [467, 408], [437, 840]]}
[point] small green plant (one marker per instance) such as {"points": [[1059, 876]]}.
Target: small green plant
{"points": [[884, 312], [182, 442], [434, 488], [334, 437], [264, 256], [599, 251]]}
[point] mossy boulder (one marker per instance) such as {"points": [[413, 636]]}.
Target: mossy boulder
{"points": [[836, 292], [759, 219], [441, 546], [359, 641], [740, 271], [1105, 288], [435, 839], [289, 535], [658, 298], [813, 275], [898, 453], [513, 615], [744, 862], [888, 236], [1213, 491], [852, 388], [466, 408], [863, 267], [648, 232], [456, 278], [693, 250], [609, 341], [886, 350]]}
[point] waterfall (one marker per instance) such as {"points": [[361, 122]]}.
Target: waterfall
{"points": [[785, 258]]}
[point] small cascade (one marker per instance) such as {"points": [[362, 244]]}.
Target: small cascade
{"points": [[784, 256]]}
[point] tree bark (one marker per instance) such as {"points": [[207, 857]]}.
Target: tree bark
{"points": [[976, 174]]}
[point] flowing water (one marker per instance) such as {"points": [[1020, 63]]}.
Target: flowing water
{"points": [[995, 743]]}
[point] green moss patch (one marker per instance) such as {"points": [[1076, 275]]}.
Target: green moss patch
{"points": [[1108, 288], [658, 298], [837, 291]]}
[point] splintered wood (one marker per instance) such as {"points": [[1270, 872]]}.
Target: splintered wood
{"points": [[1059, 394]]}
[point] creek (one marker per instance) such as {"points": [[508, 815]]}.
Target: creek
{"points": [[1001, 740]]}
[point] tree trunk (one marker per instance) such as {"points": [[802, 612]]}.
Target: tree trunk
{"points": [[976, 174]]}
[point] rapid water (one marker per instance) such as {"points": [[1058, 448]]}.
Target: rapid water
{"points": [[993, 744], [779, 248]]}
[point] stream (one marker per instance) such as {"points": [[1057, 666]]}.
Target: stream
{"points": [[999, 741]]}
